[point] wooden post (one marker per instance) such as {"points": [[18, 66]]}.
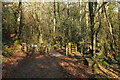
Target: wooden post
{"points": [[24, 47], [72, 48], [28, 47], [82, 51], [33, 50], [42, 49], [69, 44], [66, 50], [49, 47], [75, 47], [46, 50]]}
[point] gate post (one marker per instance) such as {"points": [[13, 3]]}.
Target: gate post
{"points": [[49, 49], [75, 47], [82, 51], [46, 50], [66, 50], [24, 47], [69, 44]]}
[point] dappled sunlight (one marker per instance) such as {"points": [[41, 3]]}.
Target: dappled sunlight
{"points": [[64, 64], [60, 39], [39, 56], [78, 70], [42, 66]]}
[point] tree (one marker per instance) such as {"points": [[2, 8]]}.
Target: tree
{"points": [[19, 20], [91, 14], [54, 28]]}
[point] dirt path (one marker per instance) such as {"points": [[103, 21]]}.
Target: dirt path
{"points": [[41, 66]]}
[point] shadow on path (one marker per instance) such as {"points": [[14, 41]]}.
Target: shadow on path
{"points": [[41, 66]]}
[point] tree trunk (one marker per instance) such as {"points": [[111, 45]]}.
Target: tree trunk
{"points": [[54, 28], [97, 31], [38, 29], [94, 44], [119, 31], [113, 49], [94, 34], [119, 18], [19, 20], [91, 15]]}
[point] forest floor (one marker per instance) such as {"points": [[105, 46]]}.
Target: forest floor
{"points": [[46, 66]]}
